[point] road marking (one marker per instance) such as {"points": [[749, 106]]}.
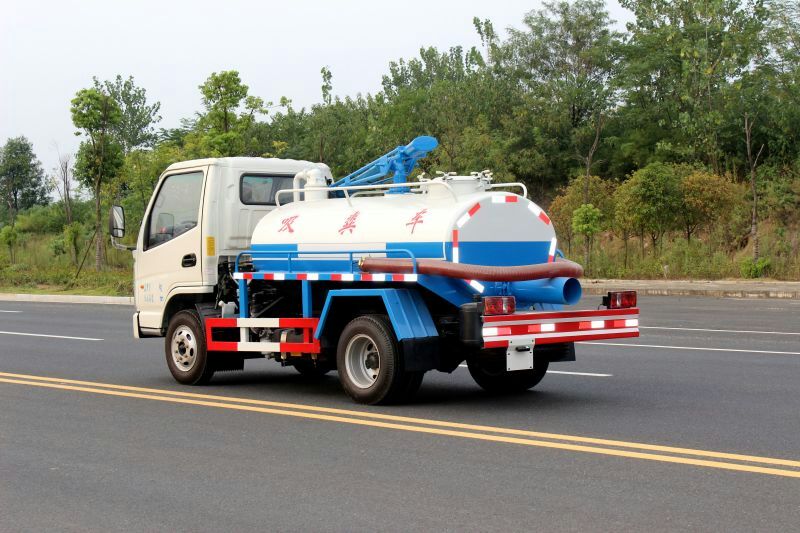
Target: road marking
{"points": [[590, 374], [4, 311], [689, 348], [725, 330], [487, 433], [49, 336]]}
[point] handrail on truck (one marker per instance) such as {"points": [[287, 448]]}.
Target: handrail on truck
{"points": [[296, 253]]}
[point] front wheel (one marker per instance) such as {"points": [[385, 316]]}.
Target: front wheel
{"points": [[185, 347], [370, 362], [488, 369]]}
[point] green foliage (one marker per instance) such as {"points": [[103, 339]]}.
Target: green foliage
{"points": [[646, 126], [22, 180], [706, 199], [100, 155], [586, 220], [750, 268], [135, 126], [10, 237]]}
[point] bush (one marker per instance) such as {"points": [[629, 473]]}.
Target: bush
{"points": [[755, 269]]}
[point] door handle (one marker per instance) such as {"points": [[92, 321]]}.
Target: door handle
{"points": [[189, 260]]}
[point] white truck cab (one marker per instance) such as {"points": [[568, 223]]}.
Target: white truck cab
{"points": [[201, 210]]}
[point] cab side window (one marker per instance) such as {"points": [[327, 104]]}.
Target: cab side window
{"points": [[258, 189], [175, 210]]}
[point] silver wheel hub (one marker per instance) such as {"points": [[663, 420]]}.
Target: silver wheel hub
{"points": [[184, 348], [362, 361]]}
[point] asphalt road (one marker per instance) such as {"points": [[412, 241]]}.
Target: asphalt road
{"points": [[640, 436]]}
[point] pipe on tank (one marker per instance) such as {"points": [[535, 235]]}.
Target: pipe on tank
{"points": [[561, 268], [550, 291], [299, 182]]}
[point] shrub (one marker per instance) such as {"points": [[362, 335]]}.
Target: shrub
{"points": [[755, 269]]}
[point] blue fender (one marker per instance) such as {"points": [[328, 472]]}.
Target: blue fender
{"points": [[407, 311]]}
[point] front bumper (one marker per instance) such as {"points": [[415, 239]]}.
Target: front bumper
{"points": [[546, 327]]}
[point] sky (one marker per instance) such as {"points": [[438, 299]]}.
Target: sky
{"points": [[51, 49]]}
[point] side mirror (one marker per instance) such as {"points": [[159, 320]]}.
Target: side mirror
{"points": [[116, 222]]}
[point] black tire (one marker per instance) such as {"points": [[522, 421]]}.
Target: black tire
{"points": [[392, 383], [310, 370], [488, 369], [186, 329]]}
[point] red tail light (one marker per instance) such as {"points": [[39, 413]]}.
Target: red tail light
{"points": [[499, 305], [620, 299]]}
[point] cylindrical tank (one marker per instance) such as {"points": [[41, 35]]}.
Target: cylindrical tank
{"points": [[456, 218]]}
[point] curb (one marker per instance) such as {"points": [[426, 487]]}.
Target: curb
{"points": [[67, 299], [789, 290]]}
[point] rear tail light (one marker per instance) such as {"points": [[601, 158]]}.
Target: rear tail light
{"points": [[499, 305], [620, 299]]}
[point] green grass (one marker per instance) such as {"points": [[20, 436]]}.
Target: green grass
{"points": [[38, 269]]}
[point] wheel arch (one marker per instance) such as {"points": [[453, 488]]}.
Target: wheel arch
{"points": [[408, 315]]}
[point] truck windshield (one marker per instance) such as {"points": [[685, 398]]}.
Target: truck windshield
{"points": [[260, 189], [175, 208]]}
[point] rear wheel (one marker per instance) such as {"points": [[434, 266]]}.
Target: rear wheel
{"points": [[185, 347], [488, 369], [370, 362]]}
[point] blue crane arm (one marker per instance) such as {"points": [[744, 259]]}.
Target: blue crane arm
{"points": [[395, 166]]}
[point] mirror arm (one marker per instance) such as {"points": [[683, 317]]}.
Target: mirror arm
{"points": [[115, 243]]}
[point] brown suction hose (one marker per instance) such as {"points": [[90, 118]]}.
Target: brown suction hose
{"points": [[437, 267]]}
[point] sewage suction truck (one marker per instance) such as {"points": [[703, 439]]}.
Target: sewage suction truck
{"points": [[372, 275]]}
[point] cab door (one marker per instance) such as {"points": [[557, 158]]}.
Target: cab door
{"points": [[169, 247]]}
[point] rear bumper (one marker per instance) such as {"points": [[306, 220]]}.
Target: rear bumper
{"points": [[534, 328]]}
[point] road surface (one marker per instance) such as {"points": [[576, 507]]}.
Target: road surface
{"points": [[694, 426]]}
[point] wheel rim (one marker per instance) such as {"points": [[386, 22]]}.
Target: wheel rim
{"points": [[362, 361], [184, 349]]}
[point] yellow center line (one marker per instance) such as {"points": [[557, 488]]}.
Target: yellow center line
{"points": [[425, 421], [411, 428]]}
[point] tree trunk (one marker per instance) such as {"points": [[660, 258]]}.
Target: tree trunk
{"points": [[753, 163], [98, 250], [625, 260], [587, 245]]}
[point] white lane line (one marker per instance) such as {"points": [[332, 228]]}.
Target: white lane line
{"points": [[49, 336], [725, 330], [4, 311], [689, 348], [590, 374]]}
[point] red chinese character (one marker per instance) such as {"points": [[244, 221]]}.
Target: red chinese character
{"points": [[349, 223], [287, 224], [417, 219]]}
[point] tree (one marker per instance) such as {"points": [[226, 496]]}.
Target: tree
{"points": [[679, 58], [136, 127], [22, 180], [704, 197], [752, 163], [586, 222], [570, 199], [626, 218], [655, 194], [100, 156], [230, 113], [10, 237], [62, 183], [568, 56]]}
